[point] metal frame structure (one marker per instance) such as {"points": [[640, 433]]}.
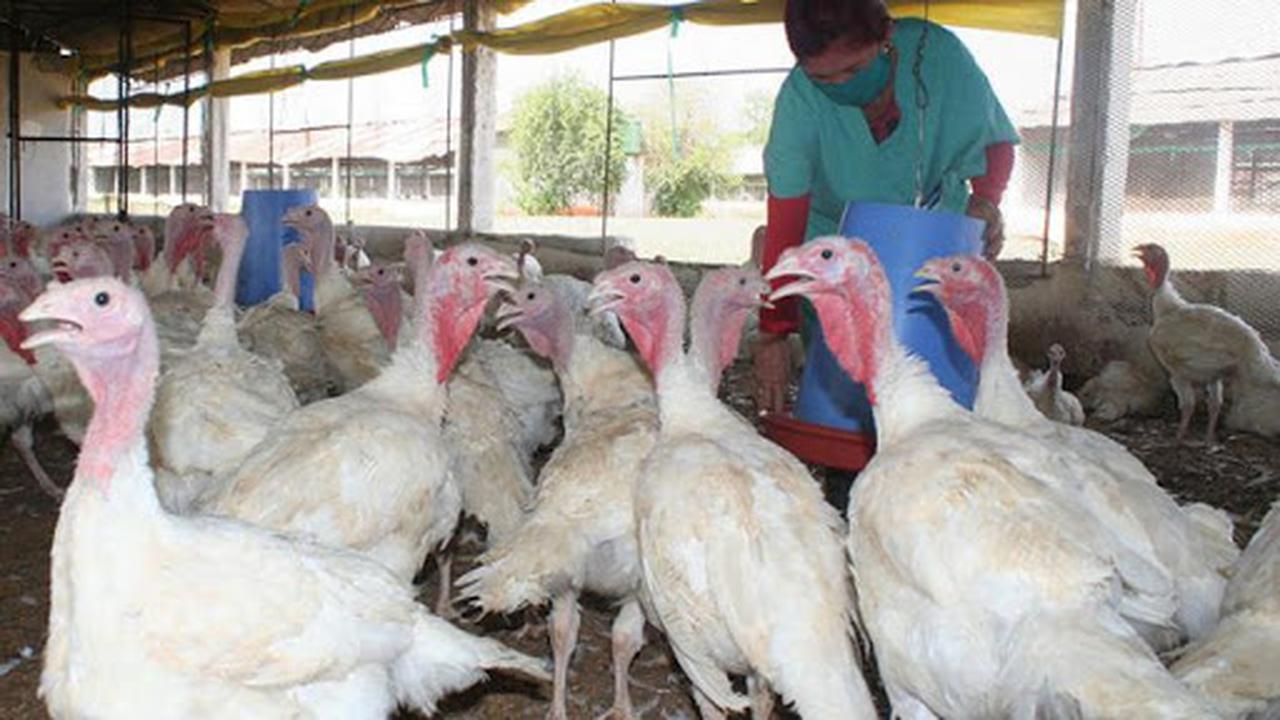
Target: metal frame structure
{"points": [[127, 16]]}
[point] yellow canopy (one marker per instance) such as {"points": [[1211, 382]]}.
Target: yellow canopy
{"points": [[575, 28]]}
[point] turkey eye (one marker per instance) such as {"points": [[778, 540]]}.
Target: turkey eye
{"points": [[826, 254], [635, 279], [101, 299], [530, 296], [742, 282], [472, 261], [955, 267]]}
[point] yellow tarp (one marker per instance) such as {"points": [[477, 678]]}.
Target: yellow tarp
{"points": [[575, 28]]}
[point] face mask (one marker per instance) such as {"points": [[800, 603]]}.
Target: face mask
{"points": [[863, 87]]}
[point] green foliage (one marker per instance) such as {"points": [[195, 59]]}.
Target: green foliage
{"points": [[558, 137], [681, 178], [757, 110]]}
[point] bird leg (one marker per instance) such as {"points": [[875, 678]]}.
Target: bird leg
{"points": [[23, 442], [628, 638], [444, 566], [761, 698], [1186, 394], [1213, 398], [565, 620]]}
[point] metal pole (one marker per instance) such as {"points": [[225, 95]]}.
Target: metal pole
{"points": [[186, 104], [608, 150], [271, 129], [448, 142], [1053, 153], [15, 118], [351, 109], [122, 109]]}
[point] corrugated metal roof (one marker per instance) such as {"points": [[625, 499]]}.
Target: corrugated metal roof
{"points": [[1236, 89]]}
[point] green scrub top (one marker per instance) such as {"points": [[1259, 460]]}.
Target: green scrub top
{"points": [[826, 150]]}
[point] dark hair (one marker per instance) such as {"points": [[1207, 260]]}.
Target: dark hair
{"points": [[813, 25]]}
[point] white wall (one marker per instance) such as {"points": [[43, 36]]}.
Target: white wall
{"points": [[46, 167]]}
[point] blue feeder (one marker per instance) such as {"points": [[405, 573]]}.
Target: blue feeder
{"points": [[259, 277], [903, 238]]}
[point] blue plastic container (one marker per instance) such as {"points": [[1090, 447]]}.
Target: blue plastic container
{"points": [[259, 277], [903, 238]]}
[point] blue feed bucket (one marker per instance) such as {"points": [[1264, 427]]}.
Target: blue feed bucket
{"points": [[903, 238], [259, 277]]}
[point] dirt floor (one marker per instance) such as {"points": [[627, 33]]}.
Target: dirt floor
{"points": [[1242, 477]]}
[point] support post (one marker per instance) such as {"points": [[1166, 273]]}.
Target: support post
{"points": [[216, 129], [244, 176], [284, 176], [391, 180], [335, 187], [1099, 140], [476, 180], [1226, 161], [15, 121]]}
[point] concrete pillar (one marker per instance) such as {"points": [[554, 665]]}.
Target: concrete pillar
{"points": [[1222, 175], [174, 187], [284, 176], [1098, 155], [218, 114], [477, 182], [391, 179], [244, 176], [145, 187], [335, 178]]}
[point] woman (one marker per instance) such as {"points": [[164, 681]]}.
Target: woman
{"points": [[847, 125]]}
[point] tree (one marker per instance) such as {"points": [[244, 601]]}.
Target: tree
{"points": [[683, 171], [558, 135], [757, 110]]}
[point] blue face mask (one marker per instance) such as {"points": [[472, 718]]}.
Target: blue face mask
{"points": [[863, 87]]}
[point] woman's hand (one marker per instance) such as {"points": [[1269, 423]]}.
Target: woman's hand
{"points": [[993, 236], [771, 364]]}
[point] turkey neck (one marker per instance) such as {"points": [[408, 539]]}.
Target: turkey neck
{"points": [[114, 446], [1164, 297], [1000, 394], [903, 394], [224, 286]]}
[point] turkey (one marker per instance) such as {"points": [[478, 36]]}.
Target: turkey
{"points": [[1123, 388], [741, 557], [24, 399], [1196, 554], [368, 470], [503, 405], [1045, 389], [575, 291], [208, 617], [348, 334], [579, 535], [217, 401], [986, 591], [178, 299], [277, 329], [1205, 346], [1237, 664]]}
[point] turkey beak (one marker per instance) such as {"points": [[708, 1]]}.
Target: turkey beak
{"points": [[507, 316], [788, 266], [928, 282], [45, 309], [602, 299]]}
